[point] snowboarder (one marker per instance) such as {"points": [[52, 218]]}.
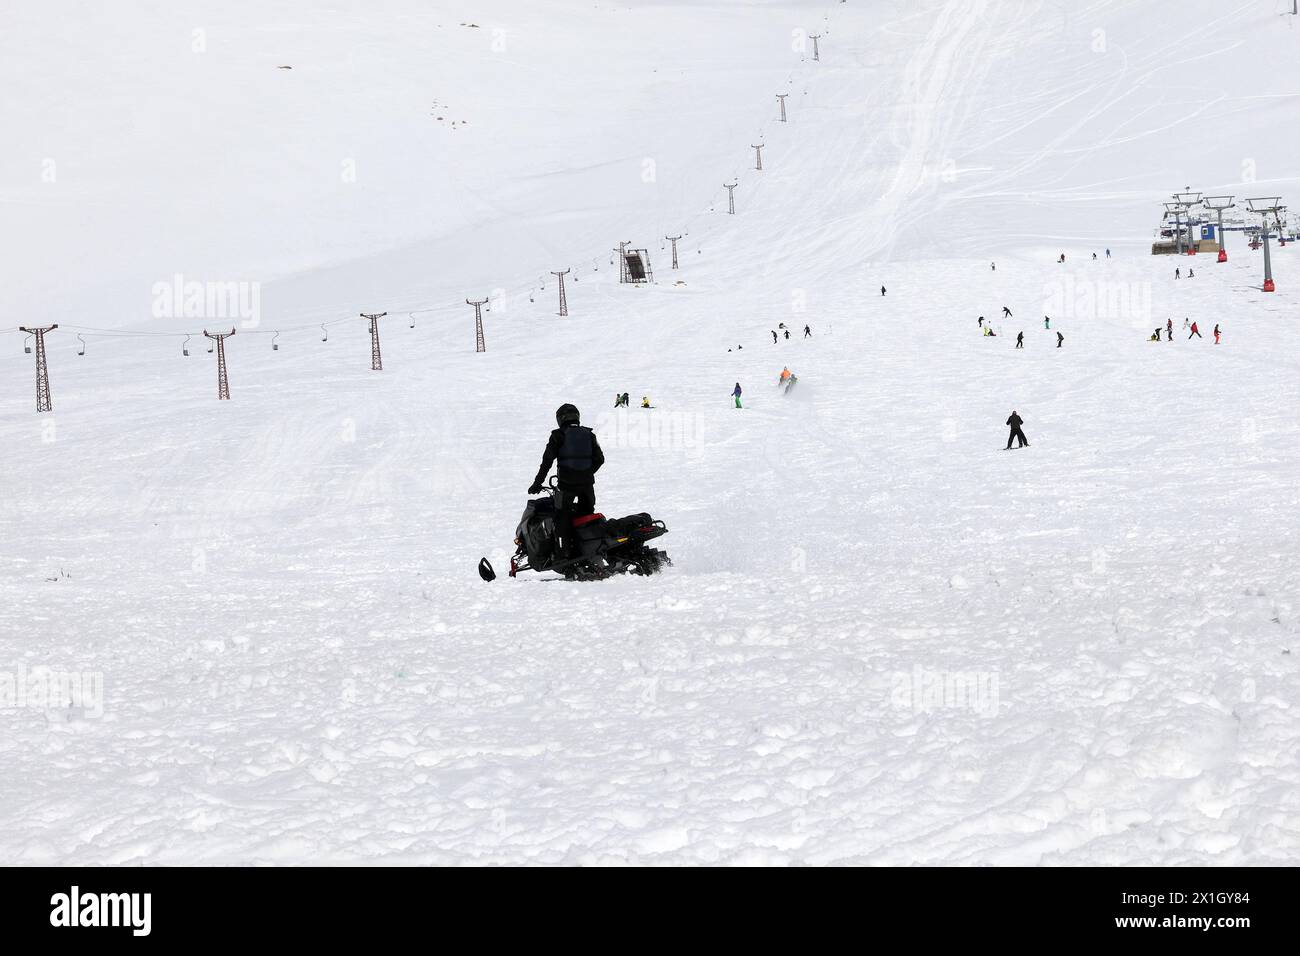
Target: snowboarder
{"points": [[574, 449], [787, 335], [993, 266], [1047, 321], [1191, 273], [774, 336], [735, 393], [645, 401], [981, 321], [1006, 313], [1060, 339], [1062, 259], [807, 332], [1020, 340], [989, 333], [1094, 257], [1107, 253], [1216, 333], [1015, 422], [1178, 273], [1195, 331], [1155, 336], [620, 401]]}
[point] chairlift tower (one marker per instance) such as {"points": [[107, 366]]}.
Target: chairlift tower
{"points": [[780, 98], [758, 156], [223, 383], [817, 54], [1218, 204], [673, 240], [1264, 207], [1187, 200], [376, 360], [44, 403], [479, 344], [731, 197], [564, 303]]}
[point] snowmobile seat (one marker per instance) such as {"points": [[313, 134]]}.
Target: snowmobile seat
{"points": [[587, 519]]}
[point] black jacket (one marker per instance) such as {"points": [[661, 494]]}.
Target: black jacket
{"points": [[1015, 421], [577, 452]]}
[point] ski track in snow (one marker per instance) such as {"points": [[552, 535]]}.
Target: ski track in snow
{"points": [[300, 664]]}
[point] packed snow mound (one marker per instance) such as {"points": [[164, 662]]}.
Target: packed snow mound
{"points": [[884, 639]]}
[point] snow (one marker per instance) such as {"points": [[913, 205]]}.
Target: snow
{"points": [[884, 639]]}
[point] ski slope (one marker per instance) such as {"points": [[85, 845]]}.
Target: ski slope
{"points": [[884, 639]]}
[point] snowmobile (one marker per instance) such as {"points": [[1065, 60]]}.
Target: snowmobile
{"points": [[605, 546]]}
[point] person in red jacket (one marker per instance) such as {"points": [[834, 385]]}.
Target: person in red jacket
{"points": [[1195, 331], [1216, 333]]}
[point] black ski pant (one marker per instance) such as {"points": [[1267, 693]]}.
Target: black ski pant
{"points": [[572, 501], [1017, 433], [1196, 333]]}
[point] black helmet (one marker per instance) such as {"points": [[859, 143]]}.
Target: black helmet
{"points": [[566, 414]]}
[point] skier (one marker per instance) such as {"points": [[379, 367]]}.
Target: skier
{"points": [[575, 450], [1195, 331], [620, 401], [993, 266], [1169, 328], [1216, 333], [787, 335], [1020, 340], [807, 332], [785, 376], [1062, 259], [1006, 313], [981, 321], [774, 336], [1178, 273], [780, 325], [1015, 422], [735, 393], [1107, 253], [1047, 321], [882, 290], [1187, 323], [1191, 273], [1094, 257], [1060, 339]]}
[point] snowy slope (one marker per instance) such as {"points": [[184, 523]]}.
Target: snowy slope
{"points": [[884, 639]]}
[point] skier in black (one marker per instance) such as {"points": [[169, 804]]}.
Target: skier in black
{"points": [[807, 332], [787, 335], [574, 449], [774, 336], [882, 290], [1178, 273], [1059, 339], [1015, 422], [981, 321], [1006, 313], [1020, 340]]}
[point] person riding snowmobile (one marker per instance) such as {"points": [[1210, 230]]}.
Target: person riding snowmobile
{"points": [[576, 452]]}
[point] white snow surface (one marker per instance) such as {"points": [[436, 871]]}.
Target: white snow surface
{"points": [[883, 640]]}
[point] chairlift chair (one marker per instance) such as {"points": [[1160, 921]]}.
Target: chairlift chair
{"points": [[83, 344]]}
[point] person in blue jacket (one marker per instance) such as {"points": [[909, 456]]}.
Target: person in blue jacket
{"points": [[735, 393]]}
